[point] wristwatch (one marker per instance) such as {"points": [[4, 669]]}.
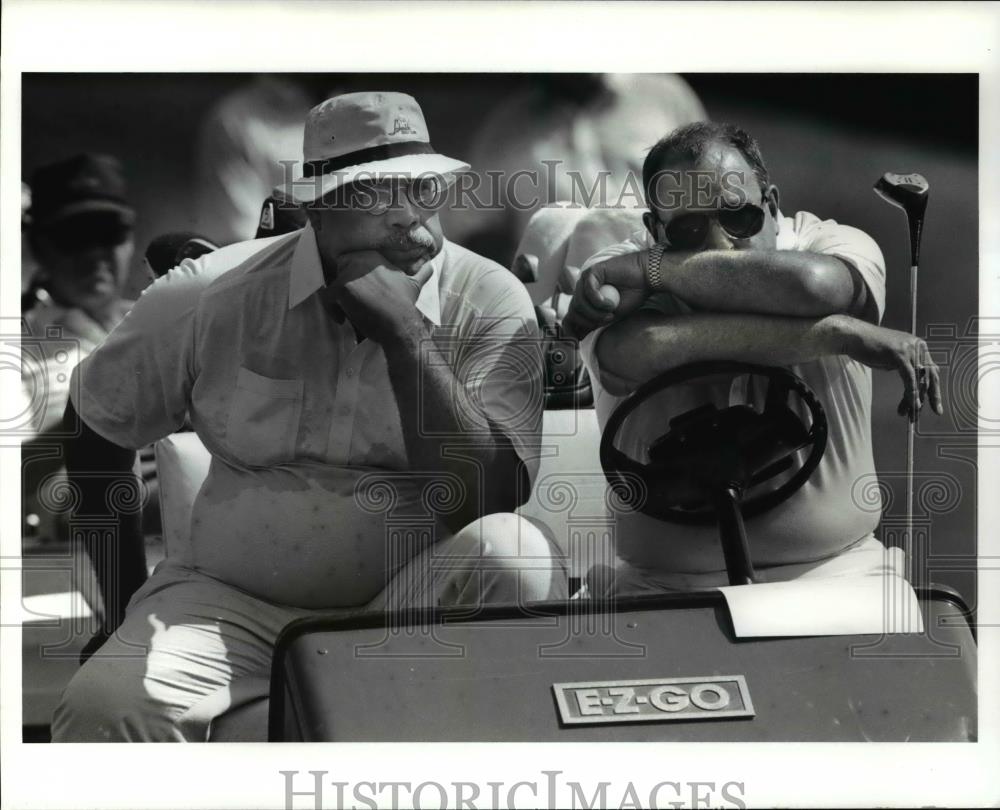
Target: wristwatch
{"points": [[654, 278]]}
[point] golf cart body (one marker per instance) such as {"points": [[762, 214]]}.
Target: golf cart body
{"points": [[561, 672]]}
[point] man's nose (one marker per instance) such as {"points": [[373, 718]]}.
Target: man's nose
{"points": [[97, 257], [717, 238], [403, 213]]}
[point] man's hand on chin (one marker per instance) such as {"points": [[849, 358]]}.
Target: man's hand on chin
{"points": [[378, 297]]}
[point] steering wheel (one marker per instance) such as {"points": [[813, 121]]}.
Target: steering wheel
{"points": [[709, 451]]}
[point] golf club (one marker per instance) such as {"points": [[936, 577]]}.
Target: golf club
{"points": [[909, 192]]}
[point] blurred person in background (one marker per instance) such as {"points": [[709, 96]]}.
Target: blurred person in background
{"points": [[80, 233], [241, 143], [590, 123]]}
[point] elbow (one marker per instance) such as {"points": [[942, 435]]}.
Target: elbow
{"points": [[615, 385], [625, 362], [825, 288], [613, 364]]}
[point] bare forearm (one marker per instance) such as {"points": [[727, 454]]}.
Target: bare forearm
{"points": [[97, 467], [769, 282], [645, 344], [484, 462]]}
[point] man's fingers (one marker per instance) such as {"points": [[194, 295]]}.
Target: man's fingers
{"points": [[909, 375], [930, 379], [589, 312], [623, 272], [423, 275], [584, 317], [611, 296], [600, 297], [934, 388]]}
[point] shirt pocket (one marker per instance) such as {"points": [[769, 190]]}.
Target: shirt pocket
{"points": [[263, 421]]}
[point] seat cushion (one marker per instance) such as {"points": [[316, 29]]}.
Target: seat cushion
{"points": [[570, 493]]}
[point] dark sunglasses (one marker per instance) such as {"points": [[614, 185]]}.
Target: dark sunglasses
{"points": [[689, 231]]}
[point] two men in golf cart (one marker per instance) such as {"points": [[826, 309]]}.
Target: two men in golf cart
{"points": [[346, 376]]}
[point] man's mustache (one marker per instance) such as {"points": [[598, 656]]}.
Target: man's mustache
{"points": [[410, 242]]}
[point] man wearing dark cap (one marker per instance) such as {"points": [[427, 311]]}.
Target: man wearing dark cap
{"points": [[80, 232], [79, 228], [371, 396]]}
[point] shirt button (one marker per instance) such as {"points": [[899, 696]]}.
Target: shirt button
{"points": [[350, 372]]}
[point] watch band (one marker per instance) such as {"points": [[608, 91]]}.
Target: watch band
{"points": [[654, 279]]}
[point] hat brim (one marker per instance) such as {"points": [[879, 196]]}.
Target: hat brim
{"points": [[309, 189], [126, 213]]}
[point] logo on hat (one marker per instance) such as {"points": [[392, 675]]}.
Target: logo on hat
{"points": [[402, 126], [267, 216]]}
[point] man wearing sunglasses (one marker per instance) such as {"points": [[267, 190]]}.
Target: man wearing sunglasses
{"points": [[719, 273]]}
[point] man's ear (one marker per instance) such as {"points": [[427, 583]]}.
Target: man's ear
{"points": [[771, 196]]}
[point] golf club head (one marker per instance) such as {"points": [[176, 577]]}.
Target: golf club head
{"points": [[909, 192]]}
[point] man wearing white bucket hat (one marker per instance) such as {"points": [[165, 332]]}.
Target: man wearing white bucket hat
{"points": [[371, 396]]}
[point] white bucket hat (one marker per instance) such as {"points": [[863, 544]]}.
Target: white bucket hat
{"points": [[364, 135]]}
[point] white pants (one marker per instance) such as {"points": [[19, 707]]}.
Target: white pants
{"points": [[193, 649], [866, 556]]}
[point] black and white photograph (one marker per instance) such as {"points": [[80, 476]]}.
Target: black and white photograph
{"points": [[506, 428]]}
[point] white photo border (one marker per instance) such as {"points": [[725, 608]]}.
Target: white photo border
{"points": [[178, 35]]}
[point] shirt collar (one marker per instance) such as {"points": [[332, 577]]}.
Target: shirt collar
{"points": [[786, 233], [306, 277]]}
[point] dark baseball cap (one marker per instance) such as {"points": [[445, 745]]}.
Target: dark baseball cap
{"points": [[279, 215], [170, 249], [84, 184]]}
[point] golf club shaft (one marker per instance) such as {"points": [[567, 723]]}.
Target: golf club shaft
{"points": [[910, 433]]}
